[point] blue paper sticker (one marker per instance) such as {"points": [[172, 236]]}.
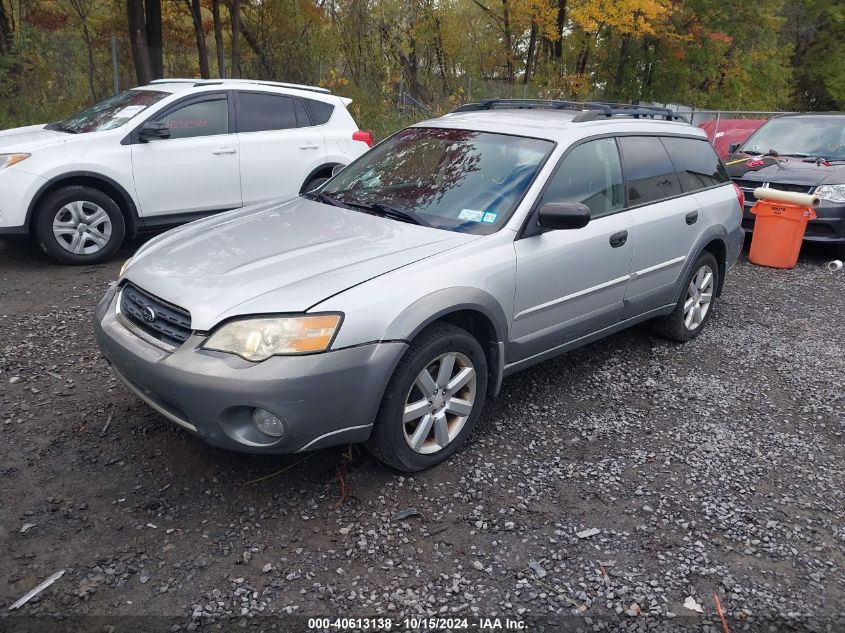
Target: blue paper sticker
{"points": [[490, 218]]}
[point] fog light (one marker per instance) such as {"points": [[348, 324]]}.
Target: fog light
{"points": [[268, 423]]}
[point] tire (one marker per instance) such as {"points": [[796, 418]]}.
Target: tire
{"points": [[312, 184], [685, 323], [63, 225], [392, 437]]}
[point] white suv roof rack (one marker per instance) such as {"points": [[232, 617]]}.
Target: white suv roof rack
{"points": [[212, 82]]}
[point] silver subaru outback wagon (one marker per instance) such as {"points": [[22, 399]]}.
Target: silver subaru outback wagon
{"points": [[386, 306]]}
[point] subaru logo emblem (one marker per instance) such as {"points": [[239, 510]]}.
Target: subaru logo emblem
{"points": [[149, 314]]}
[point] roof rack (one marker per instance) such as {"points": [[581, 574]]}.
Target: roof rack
{"points": [[589, 111], [258, 82]]}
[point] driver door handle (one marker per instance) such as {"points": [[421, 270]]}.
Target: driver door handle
{"points": [[618, 239], [224, 150]]}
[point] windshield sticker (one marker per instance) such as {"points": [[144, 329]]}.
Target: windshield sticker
{"points": [[471, 215], [490, 218], [129, 111]]}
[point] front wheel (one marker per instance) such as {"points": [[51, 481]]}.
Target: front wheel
{"points": [[695, 306], [79, 225], [432, 401]]}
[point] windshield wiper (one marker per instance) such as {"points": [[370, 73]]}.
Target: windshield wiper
{"points": [[325, 199], [390, 211], [60, 126]]}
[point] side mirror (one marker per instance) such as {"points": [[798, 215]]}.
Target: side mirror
{"points": [[337, 169], [563, 215], [153, 131], [732, 148]]}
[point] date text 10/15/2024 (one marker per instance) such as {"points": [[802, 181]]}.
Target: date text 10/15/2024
{"points": [[416, 624]]}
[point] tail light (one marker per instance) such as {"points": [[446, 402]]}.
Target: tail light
{"points": [[740, 196], [366, 137]]}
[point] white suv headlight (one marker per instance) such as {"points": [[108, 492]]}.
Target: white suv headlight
{"points": [[831, 193], [7, 160], [258, 339]]}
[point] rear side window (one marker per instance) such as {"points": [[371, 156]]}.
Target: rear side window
{"points": [[320, 111], [261, 112], [697, 164], [592, 175], [649, 173]]}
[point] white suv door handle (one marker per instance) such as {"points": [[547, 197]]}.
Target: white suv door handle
{"points": [[309, 146], [224, 150]]}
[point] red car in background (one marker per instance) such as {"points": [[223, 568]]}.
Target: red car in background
{"points": [[724, 132]]}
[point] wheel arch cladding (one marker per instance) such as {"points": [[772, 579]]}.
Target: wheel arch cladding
{"points": [[469, 308], [713, 242], [95, 181]]}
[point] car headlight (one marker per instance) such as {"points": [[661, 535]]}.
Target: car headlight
{"points": [[7, 160], [831, 193], [259, 338]]}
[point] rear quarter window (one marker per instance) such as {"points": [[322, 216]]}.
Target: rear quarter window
{"points": [[649, 172], [696, 162], [320, 111]]}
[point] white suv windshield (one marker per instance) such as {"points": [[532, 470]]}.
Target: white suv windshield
{"points": [[460, 180], [110, 113], [818, 137]]}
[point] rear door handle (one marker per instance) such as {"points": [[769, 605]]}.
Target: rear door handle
{"points": [[692, 217], [224, 150], [618, 239], [309, 146]]}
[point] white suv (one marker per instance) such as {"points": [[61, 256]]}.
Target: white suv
{"points": [[167, 153]]}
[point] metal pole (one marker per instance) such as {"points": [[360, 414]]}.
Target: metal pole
{"points": [[716, 129], [115, 76]]}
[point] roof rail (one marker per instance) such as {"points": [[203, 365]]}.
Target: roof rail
{"points": [[589, 111], [259, 82], [174, 80]]}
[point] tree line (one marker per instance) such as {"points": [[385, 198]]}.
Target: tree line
{"points": [[55, 55]]}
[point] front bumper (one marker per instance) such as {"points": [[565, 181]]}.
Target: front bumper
{"points": [[827, 228], [323, 399], [17, 190]]}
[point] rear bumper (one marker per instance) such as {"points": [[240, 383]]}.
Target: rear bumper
{"points": [[827, 228], [323, 399]]}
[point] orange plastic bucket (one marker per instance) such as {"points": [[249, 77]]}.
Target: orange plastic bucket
{"points": [[778, 233]]}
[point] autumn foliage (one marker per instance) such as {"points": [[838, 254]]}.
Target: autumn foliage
{"points": [[55, 55]]}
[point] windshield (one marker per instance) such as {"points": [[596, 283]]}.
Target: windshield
{"points": [[818, 137], [459, 180], [110, 113]]}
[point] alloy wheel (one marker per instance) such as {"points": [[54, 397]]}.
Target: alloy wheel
{"points": [[699, 297], [439, 403], [82, 228]]}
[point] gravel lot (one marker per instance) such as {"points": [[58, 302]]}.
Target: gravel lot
{"points": [[710, 468]]}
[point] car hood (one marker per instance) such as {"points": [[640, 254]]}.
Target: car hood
{"points": [[31, 137], [784, 170], [283, 257]]}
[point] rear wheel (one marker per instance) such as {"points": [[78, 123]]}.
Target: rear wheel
{"points": [[432, 401], [312, 184], [79, 225], [695, 306]]}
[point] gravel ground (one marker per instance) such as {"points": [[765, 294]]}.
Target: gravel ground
{"points": [[601, 491]]}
